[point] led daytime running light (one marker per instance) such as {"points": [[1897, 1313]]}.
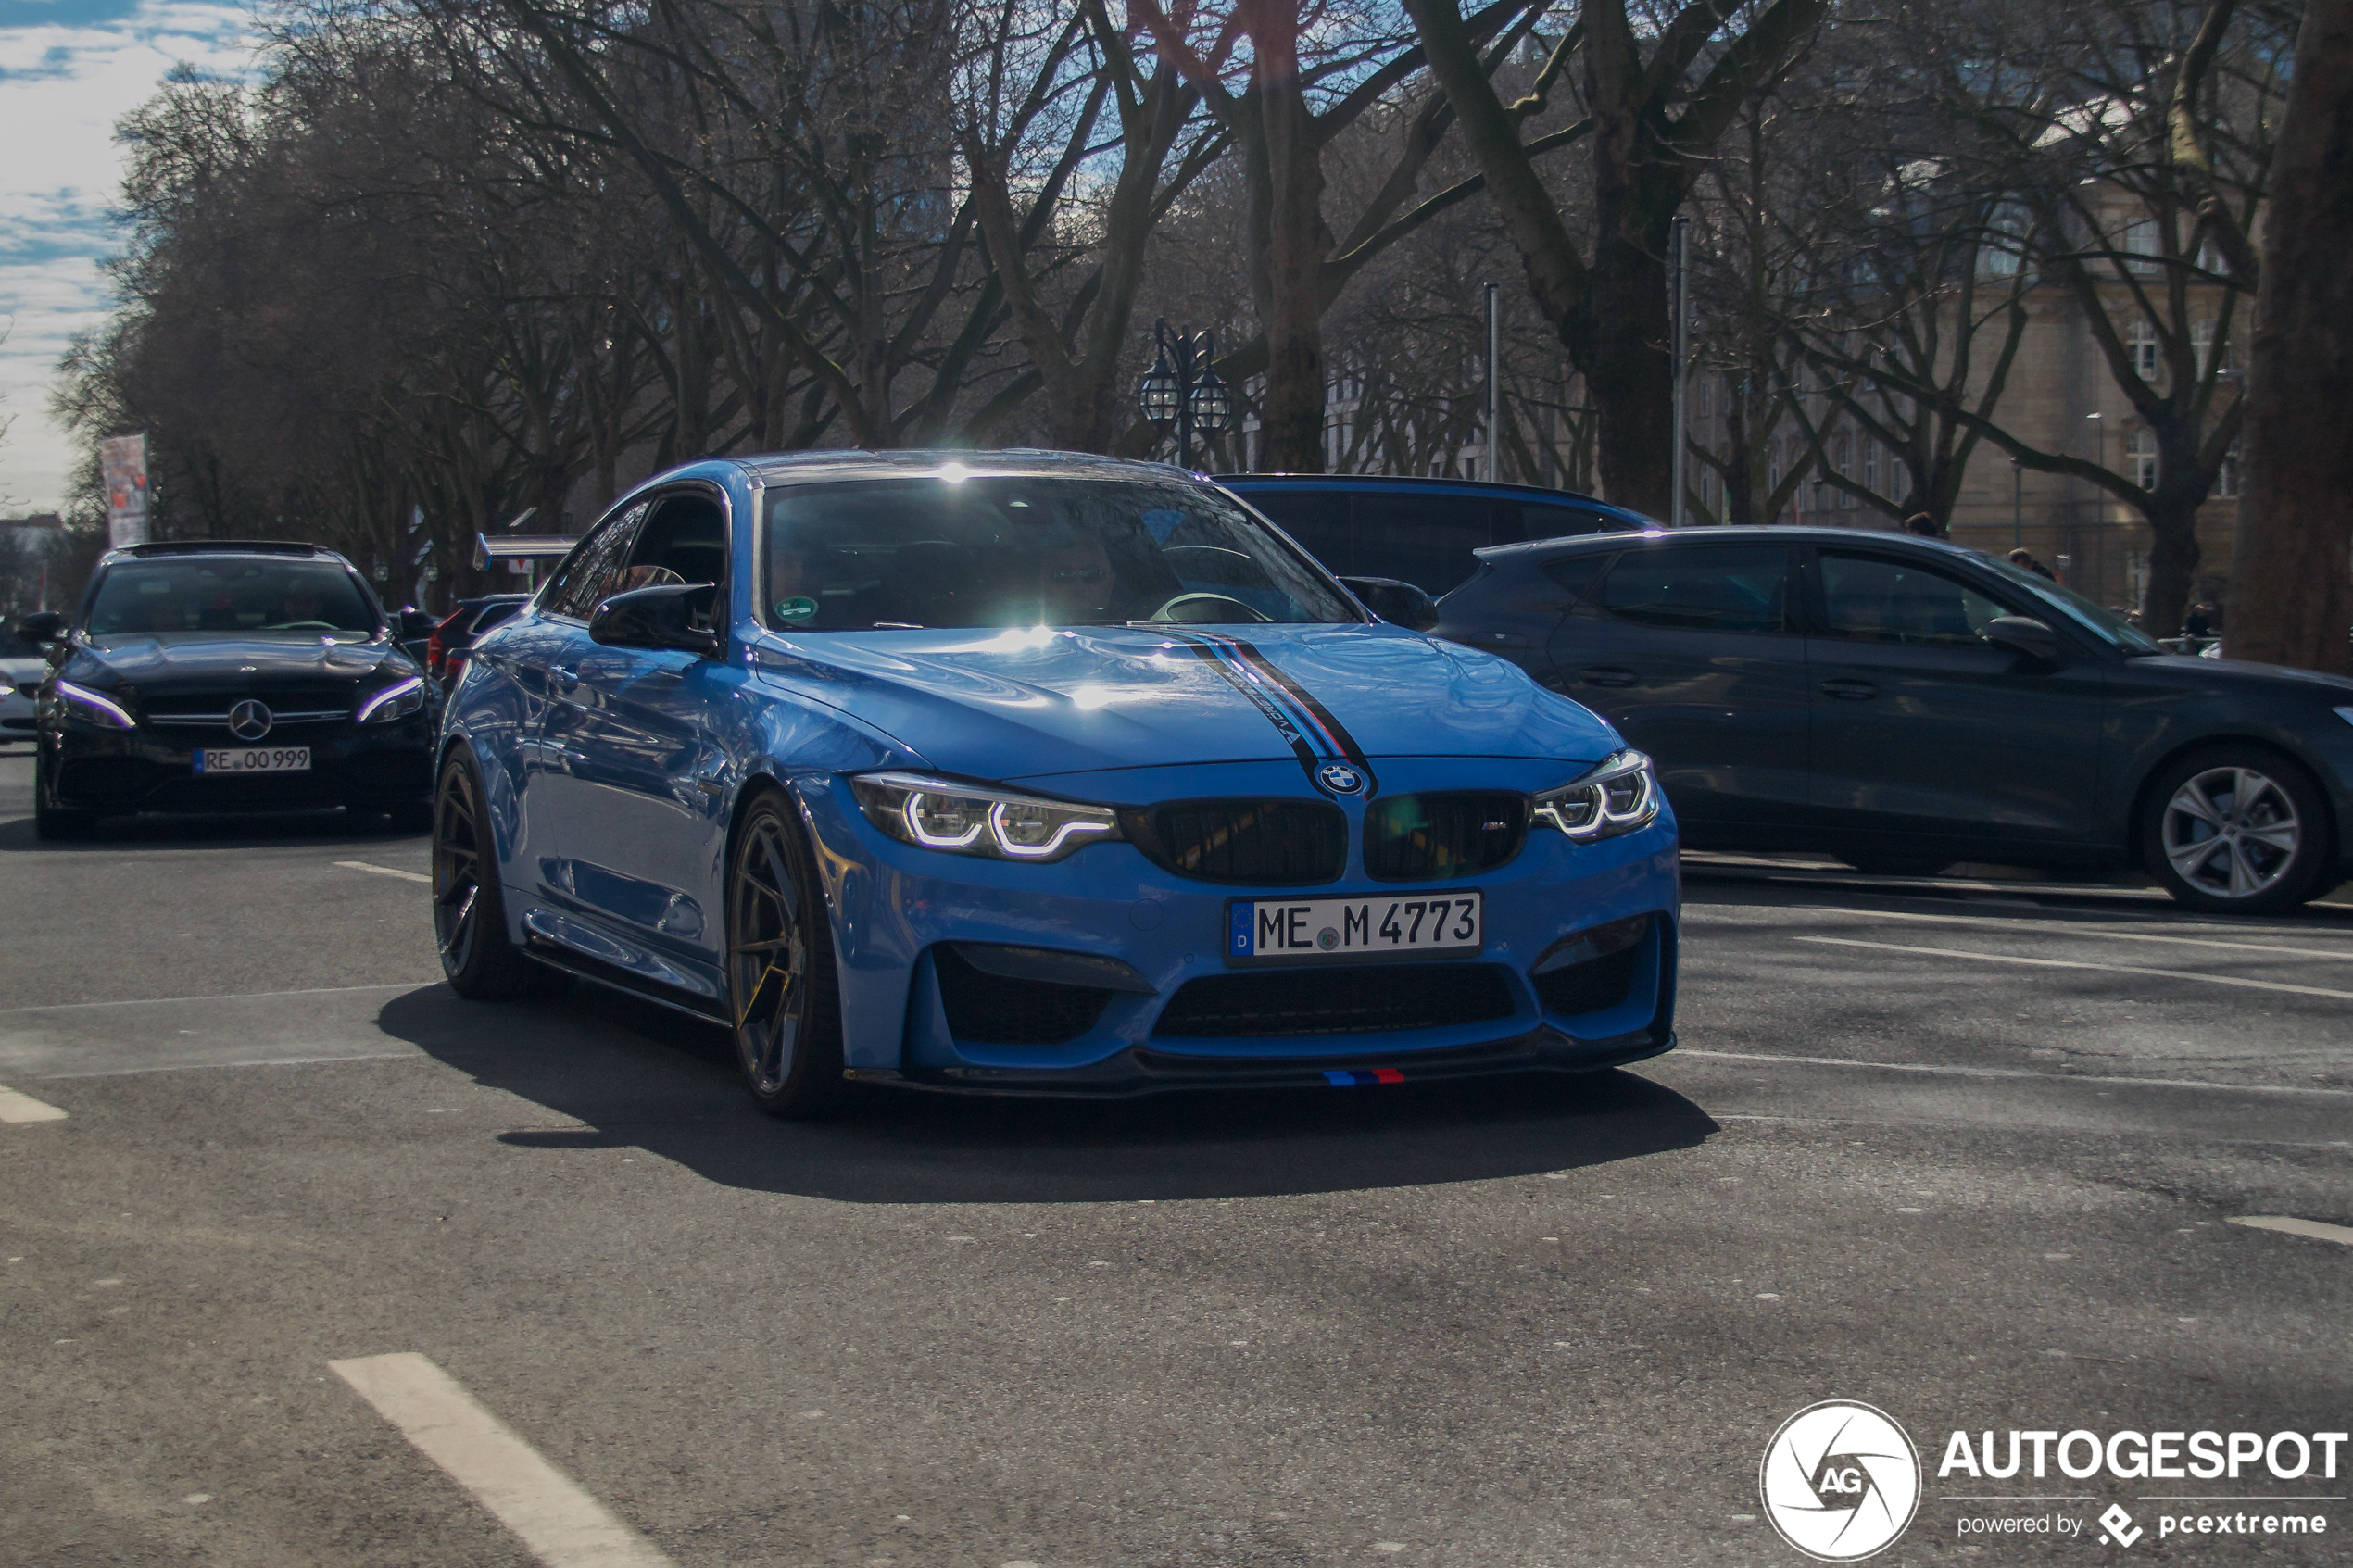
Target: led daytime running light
{"points": [[104, 707], [1618, 795], [393, 693], [942, 814]]}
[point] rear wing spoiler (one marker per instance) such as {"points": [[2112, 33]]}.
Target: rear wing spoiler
{"points": [[489, 551]]}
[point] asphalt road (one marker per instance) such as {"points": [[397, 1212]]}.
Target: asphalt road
{"points": [[1968, 1152]]}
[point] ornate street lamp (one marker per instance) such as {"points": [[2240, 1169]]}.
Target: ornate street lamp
{"points": [[1183, 391]]}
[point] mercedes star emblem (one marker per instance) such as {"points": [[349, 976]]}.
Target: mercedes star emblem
{"points": [[249, 720]]}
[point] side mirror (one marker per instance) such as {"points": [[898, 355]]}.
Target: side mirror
{"points": [[661, 617], [1399, 604], [2022, 633], [416, 623], [43, 626]]}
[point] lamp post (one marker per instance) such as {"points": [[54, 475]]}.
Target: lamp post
{"points": [[2018, 503], [1183, 390]]}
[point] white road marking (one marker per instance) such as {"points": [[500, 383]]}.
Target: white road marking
{"points": [[228, 997], [15, 1106], [385, 870], [562, 1526], [209, 1066], [2289, 1225], [1953, 1071], [2102, 931], [2073, 963]]}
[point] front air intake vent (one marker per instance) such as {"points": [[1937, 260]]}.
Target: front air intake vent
{"points": [[1370, 999], [1244, 843], [1431, 837], [996, 1010]]}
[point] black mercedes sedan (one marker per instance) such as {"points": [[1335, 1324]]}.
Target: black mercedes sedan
{"points": [[229, 677], [1903, 704]]}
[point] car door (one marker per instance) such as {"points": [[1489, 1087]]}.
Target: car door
{"points": [[637, 737], [1924, 729], [1690, 647]]}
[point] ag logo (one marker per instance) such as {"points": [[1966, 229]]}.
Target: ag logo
{"points": [[1840, 1481], [1339, 778]]}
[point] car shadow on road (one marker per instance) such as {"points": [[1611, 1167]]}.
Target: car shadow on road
{"points": [[616, 1072], [230, 832]]}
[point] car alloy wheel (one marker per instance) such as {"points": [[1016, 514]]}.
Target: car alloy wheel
{"points": [[2232, 832], [469, 917], [779, 967]]}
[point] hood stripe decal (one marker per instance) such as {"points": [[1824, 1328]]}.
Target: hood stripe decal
{"points": [[1315, 736]]}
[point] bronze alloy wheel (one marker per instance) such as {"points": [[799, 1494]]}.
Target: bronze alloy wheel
{"points": [[780, 972], [469, 917]]}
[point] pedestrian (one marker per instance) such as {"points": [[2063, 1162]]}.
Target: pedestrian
{"points": [[2197, 624], [1923, 525], [2025, 561]]}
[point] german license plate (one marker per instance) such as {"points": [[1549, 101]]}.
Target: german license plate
{"points": [[253, 759], [1269, 930]]}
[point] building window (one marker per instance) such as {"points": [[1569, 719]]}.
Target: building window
{"points": [[2226, 479], [2141, 452], [2140, 240], [1870, 466], [2140, 341], [1842, 464]]}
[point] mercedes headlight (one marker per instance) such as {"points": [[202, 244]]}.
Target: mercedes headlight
{"points": [[395, 701], [968, 820], [95, 708], [1618, 794]]}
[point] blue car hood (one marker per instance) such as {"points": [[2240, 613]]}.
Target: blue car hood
{"points": [[1028, 703]]}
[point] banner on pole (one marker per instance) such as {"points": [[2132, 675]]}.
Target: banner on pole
{"points": [[123, 463]]}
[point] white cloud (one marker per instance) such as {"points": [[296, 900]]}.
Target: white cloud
{"points": [[63, 85]]}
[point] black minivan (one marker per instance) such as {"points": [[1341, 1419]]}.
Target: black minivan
{"points": [[1419, 530]]}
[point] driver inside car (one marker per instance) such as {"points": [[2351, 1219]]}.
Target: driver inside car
{"points": [[1075, 582]]}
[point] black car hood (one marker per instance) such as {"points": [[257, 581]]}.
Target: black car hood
{"points": [[148, 660]]}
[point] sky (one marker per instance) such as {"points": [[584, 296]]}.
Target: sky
{"points": [[68, 71]]}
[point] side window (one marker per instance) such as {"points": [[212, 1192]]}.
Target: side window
{"points": [[685, 541], [1577, 575], [1873, 599], [581, 582], [1318, 521], [1702, 588], [1425, 540]]}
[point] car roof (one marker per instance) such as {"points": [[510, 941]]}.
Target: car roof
{"points": [[156, 548], [791, 468], [1729, 533], [1420, 483]]}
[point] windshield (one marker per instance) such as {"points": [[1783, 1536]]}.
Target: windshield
{"points": [[2103, 623], [231, 596], [990, 551]]}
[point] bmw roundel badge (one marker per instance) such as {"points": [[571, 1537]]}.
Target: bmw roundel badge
{"points": [[1339, 778]]}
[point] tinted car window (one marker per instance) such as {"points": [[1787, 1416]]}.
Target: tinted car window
{"points": [[1577, 575], [1872, 599], [231, 596], [579, 584], [1008, 551], [685, 541], [1318, 521], [2093, 618], [1425, 540], [1702, 588]]}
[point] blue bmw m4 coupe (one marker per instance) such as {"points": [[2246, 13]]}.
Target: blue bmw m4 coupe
{"points": [[1034, 772]]}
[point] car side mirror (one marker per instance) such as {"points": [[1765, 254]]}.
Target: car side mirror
{"points": [[660, 617], [2023, 633], [416, 623], [1399, 604], [43, 626]]}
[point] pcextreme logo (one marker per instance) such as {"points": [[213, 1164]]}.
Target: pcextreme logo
{"points": [[1840, 1481]]}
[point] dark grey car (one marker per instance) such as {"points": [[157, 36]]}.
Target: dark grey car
{"points": [[1903, 704]]}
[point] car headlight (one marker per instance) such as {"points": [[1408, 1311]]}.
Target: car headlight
{"points": [[968, 820], [96, 707], [395, 701], [1618, 794]]}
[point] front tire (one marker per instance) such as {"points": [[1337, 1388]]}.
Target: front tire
{"points": [[57, 824], [469, 915], [2235, 830], [780, 966]]}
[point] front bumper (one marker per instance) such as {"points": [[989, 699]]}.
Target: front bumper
{"points": [[903, 919], [149, 769]]}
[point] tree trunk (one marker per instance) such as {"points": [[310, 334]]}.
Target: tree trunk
{"points": [[2291, 596], [1627, 365], [1296, 241]]}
